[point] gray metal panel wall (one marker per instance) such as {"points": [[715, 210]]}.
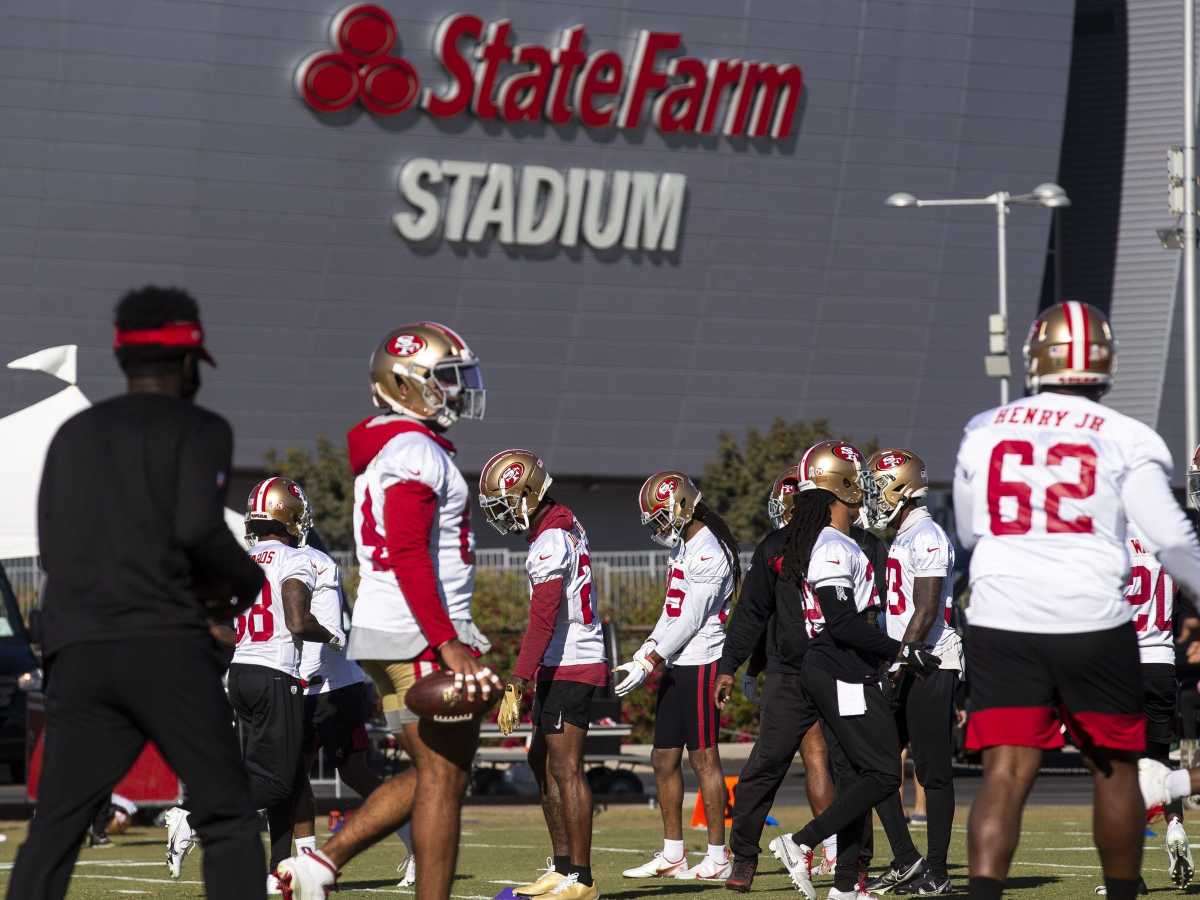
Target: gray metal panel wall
{"points": [[148, 140]]}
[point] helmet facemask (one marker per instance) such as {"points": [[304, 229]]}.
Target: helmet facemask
{"points": [[881, 504], [1193, 488], [666, 528], [507, 513], [455, 391], [778, 510]]}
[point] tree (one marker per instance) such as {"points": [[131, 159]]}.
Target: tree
{"points": [[326, 478]]}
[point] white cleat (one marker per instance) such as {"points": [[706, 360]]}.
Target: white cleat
{"points": [[309, 876], [859, 893], [797, 859], [273, 886], [828, 862], [180, 839], [1152, 779], [709, 870], [658, 867], [1179, 854], [409, 869]]}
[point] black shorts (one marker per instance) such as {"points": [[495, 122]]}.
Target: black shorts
{"points": [[270, 711], [1024, 686], [684, 715], [1161, 691], [336, 721], [558, 703]]}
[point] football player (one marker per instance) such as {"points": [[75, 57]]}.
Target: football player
{"points": [[702, 574], [840, 673], [1043, 488], [920, 608], [413, 611], [562, 658], [770, 614]]}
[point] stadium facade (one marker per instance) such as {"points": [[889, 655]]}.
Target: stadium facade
{"points": [[654, 220]]}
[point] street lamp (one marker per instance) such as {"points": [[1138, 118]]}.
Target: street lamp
{"points": [[1048, 195]]}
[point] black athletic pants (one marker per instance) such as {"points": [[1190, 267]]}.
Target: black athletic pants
{"points": [[872, 749], [104, 700], [924, 710], [270, 708], [787, 714]]}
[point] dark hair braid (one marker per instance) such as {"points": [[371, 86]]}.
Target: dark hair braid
{"points": [[810, 515], [705, 515]]}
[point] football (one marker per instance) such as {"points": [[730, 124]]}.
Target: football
{"points": [[434, 697]]}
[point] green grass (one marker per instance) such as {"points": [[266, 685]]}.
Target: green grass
{"points": [[508, 844]]}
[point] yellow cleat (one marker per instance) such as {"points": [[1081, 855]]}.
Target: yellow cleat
{"points": [[570, 889], [549, 880]]}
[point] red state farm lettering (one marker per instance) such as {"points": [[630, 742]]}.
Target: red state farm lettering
{"points": [[495, 79]]}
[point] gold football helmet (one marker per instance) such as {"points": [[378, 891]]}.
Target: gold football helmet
{"points": [[779, 503], [667, 502], [834, 466], [512, 483], [279, 499], [1070, 344], [428, 372], [892, 478], [1193, 479]]}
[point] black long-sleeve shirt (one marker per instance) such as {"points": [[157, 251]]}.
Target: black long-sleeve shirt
{"points": [[131, 523]]}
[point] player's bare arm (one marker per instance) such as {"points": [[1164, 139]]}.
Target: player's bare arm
{"points": [[297, 613], [927, 606]]}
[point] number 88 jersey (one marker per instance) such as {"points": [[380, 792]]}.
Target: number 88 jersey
{"points": [[1151, 593], [1038, 492], [263, 638]]}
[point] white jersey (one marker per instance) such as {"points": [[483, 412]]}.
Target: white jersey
{"points": [[322, 668], [1151, 593], [562, 552], [263, 638], [691, 628], [921, 549], [413, 454], [1038, 490], [837, 561]]}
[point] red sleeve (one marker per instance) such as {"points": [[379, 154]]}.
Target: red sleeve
{"points": [[408, 512], [543, 613]]}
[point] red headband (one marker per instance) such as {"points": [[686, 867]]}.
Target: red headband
{"points": [[173, 334]]}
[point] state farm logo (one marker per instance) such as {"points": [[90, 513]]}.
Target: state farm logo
{"points": [[495, 78], [891, 461], [406, 345], [665, 489], [511, 475]]}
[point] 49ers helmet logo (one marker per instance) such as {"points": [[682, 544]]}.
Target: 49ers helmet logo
{"points": [[294, 490], [406, 345], [891, 461], [788, 487], [665, 489], [845, 451], [512, 474]]}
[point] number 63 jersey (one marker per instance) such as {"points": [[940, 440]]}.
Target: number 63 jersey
{"points": [[1039, 490], [263, 638]]}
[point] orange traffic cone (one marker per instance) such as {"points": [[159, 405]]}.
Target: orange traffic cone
{"points": [[700, 820]]}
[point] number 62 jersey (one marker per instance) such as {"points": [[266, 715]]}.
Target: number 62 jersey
{"points": [[1042, 488]]}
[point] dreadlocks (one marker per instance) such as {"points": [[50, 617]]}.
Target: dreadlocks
{"points": [[810, 514], [705, 515]]}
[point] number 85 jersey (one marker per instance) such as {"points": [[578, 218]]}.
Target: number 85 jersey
{"points": [[1041, 489]]}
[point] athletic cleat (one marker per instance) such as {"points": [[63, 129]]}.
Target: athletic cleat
{"points": [[797, 859], [98, 840], [828, 863], [1152, 779], [929, 885], [309, 876], [273, 885], [893, 878], [408, 870], [709, 870], [1101, 891], [1179, 854], [658, 867], [545, 883], [859, 893], [571, 889], [180, 839], [742, 876]]}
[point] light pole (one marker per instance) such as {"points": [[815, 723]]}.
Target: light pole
{"points": [[1049, 195]]}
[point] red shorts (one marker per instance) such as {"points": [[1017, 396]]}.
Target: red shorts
{"points": [[1024, 687]]}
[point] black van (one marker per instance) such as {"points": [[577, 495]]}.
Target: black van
{"points": [[16, 659]]}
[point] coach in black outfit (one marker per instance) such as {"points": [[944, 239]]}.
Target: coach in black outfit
{"points": [[139, 563]]}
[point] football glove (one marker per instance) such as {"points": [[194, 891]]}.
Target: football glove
{"points": [[750, 689], [510, 710], [634, 673], [335, 643], [643, 651], [918, 659]]}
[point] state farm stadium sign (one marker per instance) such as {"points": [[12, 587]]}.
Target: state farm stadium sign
{"points": [[491, 78]]}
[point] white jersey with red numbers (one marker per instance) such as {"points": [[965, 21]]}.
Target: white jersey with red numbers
{"points": [[837, 561], [578, 636], [1151, 593], [412, 455], [691, 628], [1038, 491], [921, 549], [263, 638], [322, 668]]}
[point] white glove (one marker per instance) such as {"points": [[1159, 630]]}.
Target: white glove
{"points": [[635, 672], [644, 650], [335, 643], [750, 689]]}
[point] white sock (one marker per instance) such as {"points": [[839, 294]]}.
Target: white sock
{"points": [[830, 845], [672, 850], [717, 853], [1179, 783], [306, 843]]}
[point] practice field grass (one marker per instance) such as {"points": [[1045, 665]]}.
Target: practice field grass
{"points": [[506, 845]]}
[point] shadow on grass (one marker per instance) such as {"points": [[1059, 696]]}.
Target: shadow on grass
{"points": [[663, 890], [369, 884]]}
